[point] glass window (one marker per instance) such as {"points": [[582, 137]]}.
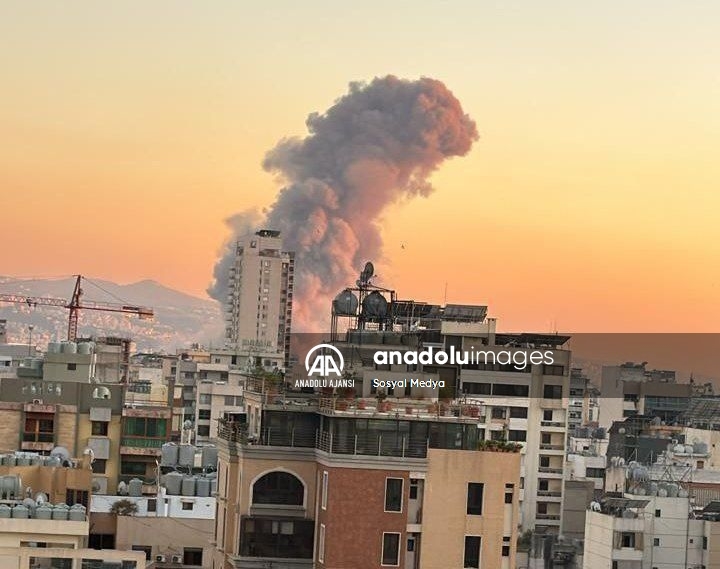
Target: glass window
{"points": [[391, 549], [472, 552], [475, 498], [393, 494]]}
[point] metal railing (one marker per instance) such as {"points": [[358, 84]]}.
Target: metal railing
{"points": [[369, 444]]}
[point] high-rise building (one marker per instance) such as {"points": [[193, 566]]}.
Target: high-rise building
{"points": [[260, 291]]}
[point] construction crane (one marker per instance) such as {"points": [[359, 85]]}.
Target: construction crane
{"points": [[76, 304]]}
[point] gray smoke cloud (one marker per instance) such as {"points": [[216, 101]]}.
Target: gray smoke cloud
{"points": [[374, 147]]}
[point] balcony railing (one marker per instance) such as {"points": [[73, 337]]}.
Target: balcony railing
{"points": [[552, 447], [547, 516], [141, 442], [549, 493], [550, 470]]}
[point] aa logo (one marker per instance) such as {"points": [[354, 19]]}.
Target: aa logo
{"points": [[324, 363]]}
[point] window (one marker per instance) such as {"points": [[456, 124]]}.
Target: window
{"points": [[552, 391], [518, 412], [656, 541], [475, 499], [321, 544], [99, 465], [627, 539], [472, 552], [279, 488], [39, 428], [543, 485], [705, 542], [323, 500], [517, 436], [152, 505], [542, 508], [411, 544], [71, 367], [128, 468], [233, 400], [508, 497], [203, 414], [546, 438], [553, 370], [146, 548], [76, 497], [700, 464], [547, 415], [203, 430], [391, 549], [205, 399], [591, 472], [506, 551], [145, 427], [192, 556], [413, 489], [393, 494], [544, 462], [99, 428], [498, 413], [187, 506]]}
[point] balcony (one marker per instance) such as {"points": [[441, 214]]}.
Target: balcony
{"points": [[550, 472], [141, 446]]}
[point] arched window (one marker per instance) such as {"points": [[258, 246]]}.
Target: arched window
{"points": [[279, 488]]}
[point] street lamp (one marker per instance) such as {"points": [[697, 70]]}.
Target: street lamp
{"points": [[30, 329]]}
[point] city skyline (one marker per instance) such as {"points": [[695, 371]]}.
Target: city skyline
{"points": [[586, 205]]}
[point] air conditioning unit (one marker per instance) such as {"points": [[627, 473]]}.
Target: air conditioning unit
{"points": [[177, 558], [159, 559]]}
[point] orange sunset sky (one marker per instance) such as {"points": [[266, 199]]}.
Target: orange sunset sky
{"points": [[131, 130]]}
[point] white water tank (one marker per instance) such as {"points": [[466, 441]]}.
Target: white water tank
{"points": [[188, 486], [169, 454], [209, 457], [186, 455], [20, 511], [173, 483], [54, 347], [202, 487], [579, 467], [69, 348], [135, 488]]}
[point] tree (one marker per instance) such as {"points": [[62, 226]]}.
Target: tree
{"points": [[124, 507]]}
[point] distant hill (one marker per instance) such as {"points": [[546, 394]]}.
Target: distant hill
{"points": [[180, 319]]}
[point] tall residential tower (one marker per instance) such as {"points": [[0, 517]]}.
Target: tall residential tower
{"points": [[260, 291]]}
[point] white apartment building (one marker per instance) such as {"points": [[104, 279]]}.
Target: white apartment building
{"points": [[528, 406], [650, 532], [260, 294]]}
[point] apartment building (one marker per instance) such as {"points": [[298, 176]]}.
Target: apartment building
{"points": [[260, 286], [632, 531], [420, 493], [630, 389], [43, 514]]}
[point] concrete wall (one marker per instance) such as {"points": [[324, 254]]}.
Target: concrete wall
{"points": [[445, 522], [167, 536]]}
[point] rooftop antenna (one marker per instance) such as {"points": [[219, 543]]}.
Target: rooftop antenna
{"points": [[445, 297]]}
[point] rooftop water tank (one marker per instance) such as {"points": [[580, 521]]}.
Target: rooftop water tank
{"points": [[689, 449], [213, 486], [135, 488], [85, 348], [374, 306], [22, 460], [188, 486], [345, 303], [54, 347], [69, 348], [5, 511], [53, 461], [77, 513], [61, 512], [169, 454], [173, 483], [37, 460], [20, 512], [679, 449], [186, 455], [9, 460], [209, 457], [11, 487], [673, 490], [700, 448], [202, 487], [662, 493], [44, 512]]}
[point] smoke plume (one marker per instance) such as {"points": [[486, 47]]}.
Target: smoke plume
{"points": [[375, 146]]}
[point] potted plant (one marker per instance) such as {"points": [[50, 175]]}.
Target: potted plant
{"points": [[361, 404], [341, 405], [408, 410]]}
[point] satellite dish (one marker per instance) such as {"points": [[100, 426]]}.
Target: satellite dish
{"points": [[187, 425], [367, 273], [122, 489], [91, 453], [41, 498]]}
